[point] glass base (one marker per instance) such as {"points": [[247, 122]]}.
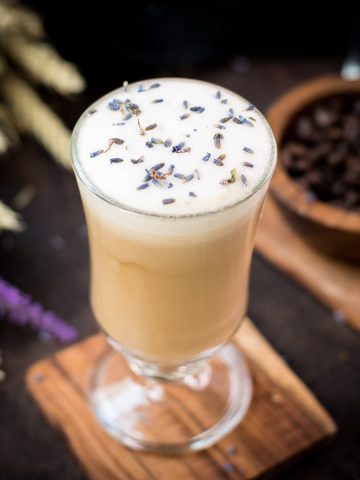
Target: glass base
{"points": [[185, 414]]}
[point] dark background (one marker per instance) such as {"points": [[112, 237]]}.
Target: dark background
{"points": [[136, 39], [221, 43]]}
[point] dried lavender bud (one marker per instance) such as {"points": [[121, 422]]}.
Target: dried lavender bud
{"points": [[116, 160], [156, 141], [217, 139], [197, 109], [151, 127], [143, 186], [167, 201], [95, 154], [177, 148], [207, 157], [248, 150]]}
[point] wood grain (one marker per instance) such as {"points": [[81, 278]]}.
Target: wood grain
{"points": [[284, 420], [333, 281]]}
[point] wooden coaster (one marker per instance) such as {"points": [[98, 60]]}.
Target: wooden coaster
{"points": [[333, 281], [284, 419]]}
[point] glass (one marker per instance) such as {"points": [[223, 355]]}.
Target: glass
{"points": [[169, 293]]}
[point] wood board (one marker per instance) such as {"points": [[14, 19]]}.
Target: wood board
{"points": [[335, 282], [284, 421]]}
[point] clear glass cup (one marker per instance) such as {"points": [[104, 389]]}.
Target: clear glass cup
{"points": [[169, 293]]}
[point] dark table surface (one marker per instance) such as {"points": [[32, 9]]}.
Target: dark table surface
{"points": [[50, 261]]}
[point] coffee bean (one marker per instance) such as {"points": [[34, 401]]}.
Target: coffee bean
{"points": [[321, 151]]}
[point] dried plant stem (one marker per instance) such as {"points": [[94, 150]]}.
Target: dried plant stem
{"points": [[3, 65], [18, 19], [7, 128], [44, 65], [9, 220], [4, 142], [34, 116]]}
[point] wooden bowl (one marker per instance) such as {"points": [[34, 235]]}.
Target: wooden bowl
{"points": [[333, 230]]}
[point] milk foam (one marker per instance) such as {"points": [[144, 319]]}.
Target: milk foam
{"points": [[111, 134]]}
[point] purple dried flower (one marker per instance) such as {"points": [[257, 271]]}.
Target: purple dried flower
{"points": [[197, 109], [20, 310], [95, 154], [114, 104], [177, 148]]}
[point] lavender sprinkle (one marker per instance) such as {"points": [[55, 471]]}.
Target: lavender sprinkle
{"points": [[116, 160], [95, 154], [151, 127], [143, 186], [139, 160], [149, 144], [192, 194], [188, 178], [244, 180], [167, 143], [224, 101], [114, 105], [228, 468], [158, 100], [185, 104], [217, 139], [245, 121], [177, 148], [197, 109], [250, 107], [157, 166], [248, 150], [206, 158], [232, 450], [156, 141], [155, 85], [248, 164], [218, 95], [179, 175], [184, 116], [167, 201]]}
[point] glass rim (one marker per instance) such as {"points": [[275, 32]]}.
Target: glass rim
{"points": [[81, 175]]}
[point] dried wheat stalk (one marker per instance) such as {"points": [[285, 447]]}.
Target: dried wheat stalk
{"points": [[35, 117], [9, 220], [44, 64], [18, 19]]}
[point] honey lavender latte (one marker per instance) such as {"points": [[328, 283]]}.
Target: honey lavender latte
{"points": [[173, 174]]}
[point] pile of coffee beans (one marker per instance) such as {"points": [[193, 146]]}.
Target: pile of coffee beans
{"points": [[321, 151]]}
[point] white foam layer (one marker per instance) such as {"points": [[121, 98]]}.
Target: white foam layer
{"points": [[247, 143]]}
